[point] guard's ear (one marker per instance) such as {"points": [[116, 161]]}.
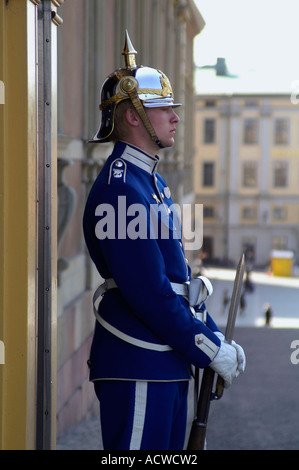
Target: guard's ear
{"points": [[132, 117]]}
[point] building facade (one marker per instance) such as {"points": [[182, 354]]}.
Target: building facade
{"points": [[247, 175]]}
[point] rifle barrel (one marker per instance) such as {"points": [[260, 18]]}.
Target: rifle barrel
{"points": [[199, 426]]}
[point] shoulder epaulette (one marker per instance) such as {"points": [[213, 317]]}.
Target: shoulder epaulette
{"points": [[117, 172]]}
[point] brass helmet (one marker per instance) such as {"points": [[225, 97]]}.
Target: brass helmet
{"points": [[144, 86]]}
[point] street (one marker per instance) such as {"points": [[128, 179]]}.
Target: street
{"points": [[282, 293], [261, 409]]}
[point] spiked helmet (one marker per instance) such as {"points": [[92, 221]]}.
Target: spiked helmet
{"points": [[144, 86]]}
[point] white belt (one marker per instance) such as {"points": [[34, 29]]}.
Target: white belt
{"points": [[111, 284], [179, 289]]}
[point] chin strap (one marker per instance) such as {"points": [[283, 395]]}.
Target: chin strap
{"points": [[129, 86]]}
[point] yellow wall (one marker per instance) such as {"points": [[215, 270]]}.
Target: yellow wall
{"points": [[18, 241]]}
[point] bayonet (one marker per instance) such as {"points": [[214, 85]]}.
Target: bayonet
{"points": [[231, 319], [235, 300]]}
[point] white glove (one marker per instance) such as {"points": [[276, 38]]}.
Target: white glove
{"points": [[225, 363], [241, 358]]}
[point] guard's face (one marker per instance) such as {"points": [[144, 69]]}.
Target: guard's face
{"points": [[164, 121]]}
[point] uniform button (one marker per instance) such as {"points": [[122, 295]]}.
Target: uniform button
{"points": [[199, 340]]}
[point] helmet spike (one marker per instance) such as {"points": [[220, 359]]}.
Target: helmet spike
{"points": [[129, 53]]}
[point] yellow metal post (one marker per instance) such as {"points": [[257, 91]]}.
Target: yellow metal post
{"points": [[19, 240]]}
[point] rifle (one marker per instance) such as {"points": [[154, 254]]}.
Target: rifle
{"points": [[199, 426]]}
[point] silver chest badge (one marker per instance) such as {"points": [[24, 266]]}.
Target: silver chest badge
{"points": [[167, 192], [117, 173]]}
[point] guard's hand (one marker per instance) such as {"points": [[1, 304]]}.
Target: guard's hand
{"points": [[225, 363], [241, 358]]}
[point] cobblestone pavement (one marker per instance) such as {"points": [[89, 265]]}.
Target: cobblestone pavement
{"points": [[83, 436], [261, 409]]}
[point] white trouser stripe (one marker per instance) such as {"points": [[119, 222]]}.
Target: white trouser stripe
{"points": [[139, 415]]}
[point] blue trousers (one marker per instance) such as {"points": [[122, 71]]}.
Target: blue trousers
{"points": [[142, 415]]}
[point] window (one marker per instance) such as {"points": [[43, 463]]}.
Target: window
{"points": [[208, 174], [208, 212], [251, 127], [209, 131], [249, 249], [279, 213], [249, 176], [279, 243], [248, 213], [210, 104], [251, 103], [280, 175], [208, 247], [281, 131]]}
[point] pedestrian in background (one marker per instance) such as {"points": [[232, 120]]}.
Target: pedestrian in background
{"points": [[268, 315]]}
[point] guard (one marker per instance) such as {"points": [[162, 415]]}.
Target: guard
{"points": [[151, 320]]}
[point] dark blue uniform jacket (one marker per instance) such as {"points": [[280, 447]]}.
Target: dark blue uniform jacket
{"points": [[126, 197]]}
